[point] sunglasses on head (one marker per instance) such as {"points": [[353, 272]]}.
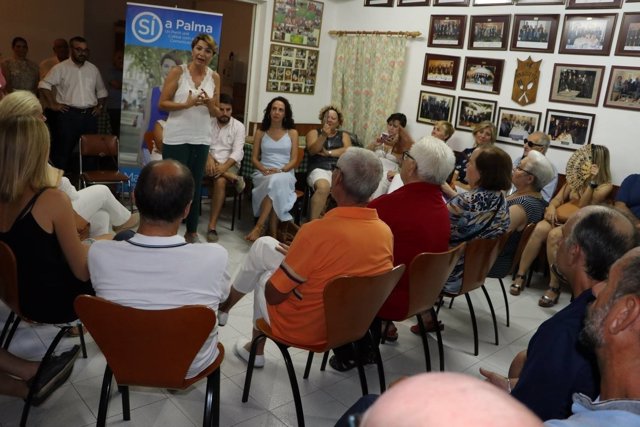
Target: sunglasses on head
{"points": [[532, 144]]}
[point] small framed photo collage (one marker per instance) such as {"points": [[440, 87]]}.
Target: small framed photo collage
{"points": [[586, 31], [293, 57]]}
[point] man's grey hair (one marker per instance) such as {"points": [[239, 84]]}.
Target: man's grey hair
{"points": [[540, 168], [362, 172], [544, 139], [434, 159]]}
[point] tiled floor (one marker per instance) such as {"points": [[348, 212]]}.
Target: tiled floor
{"points": [[325, 395]]}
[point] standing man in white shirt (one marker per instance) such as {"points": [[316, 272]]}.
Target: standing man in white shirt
{"points": [[80, 98], [223, 163]]}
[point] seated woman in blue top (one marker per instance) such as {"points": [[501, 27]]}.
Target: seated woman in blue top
{"points": [[325, 145], [37, 222], [275, 151]]}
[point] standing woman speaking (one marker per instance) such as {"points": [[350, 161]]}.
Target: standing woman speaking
{"points": [[190, 94]]}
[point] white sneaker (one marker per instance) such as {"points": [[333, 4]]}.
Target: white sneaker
{"points": [[240, 184], [243, 354], [222, 318]]}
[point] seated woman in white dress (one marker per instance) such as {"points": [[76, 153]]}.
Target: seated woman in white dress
{"points": [[387, 147], [275, 151]]}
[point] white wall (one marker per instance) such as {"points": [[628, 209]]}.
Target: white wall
{"points": [[613, 127]]}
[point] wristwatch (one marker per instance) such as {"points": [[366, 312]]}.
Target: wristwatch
{"points": [[593, 184]]}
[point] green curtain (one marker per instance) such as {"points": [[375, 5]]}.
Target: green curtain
{"points": [[366, 81]]}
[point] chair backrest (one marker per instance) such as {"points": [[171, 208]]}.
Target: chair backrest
{"points": [[299, 159], [104, 148], [524, 239], [9, 278], [427, 275], [479, 256], [351, 303], [152, 348]]}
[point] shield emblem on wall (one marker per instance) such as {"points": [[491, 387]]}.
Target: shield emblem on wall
{"points": [[525, 82]]}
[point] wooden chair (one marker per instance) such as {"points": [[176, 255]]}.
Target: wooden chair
{"points": [[299, 204], [151, 348], [350, 305], [10, 295], [102, 153], [427, 275], [479, 256]]}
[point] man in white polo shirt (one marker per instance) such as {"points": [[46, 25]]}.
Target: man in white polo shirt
{"points": [[156, 268]]}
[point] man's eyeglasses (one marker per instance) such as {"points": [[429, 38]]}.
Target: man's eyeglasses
{"points": [[532, 144], [523, 170], [80, 50], [406, 154]]}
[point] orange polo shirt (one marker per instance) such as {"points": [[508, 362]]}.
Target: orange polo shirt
{"points": [[347, 241]]}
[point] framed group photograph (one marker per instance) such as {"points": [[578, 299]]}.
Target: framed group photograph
{"points": [[516, 125], [594, 4], [537, 2], [623, 90], [413, 3], [576, 84], [447, 31], [292, 69], [297, 22], [569, 130], [435, 106], [491, 2], [629, 35], [473, 111], [379, 3], [535, 33], [587, 34], [482, 74], [489, 32], [451, 2], [440, 70]]}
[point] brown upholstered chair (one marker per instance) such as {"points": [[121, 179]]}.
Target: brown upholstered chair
{"points": [[427, 275], [350, 305], [479, 256], [10, 295], [151, 348]]}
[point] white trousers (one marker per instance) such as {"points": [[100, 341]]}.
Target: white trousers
{"points": [[261, 262]]}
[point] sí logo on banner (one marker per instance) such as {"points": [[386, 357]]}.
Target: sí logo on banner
{"points": [[146, 27]]}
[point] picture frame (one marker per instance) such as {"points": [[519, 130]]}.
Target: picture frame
{"points": [[587, 34], [471, 111], [440, 70], [534, 33], [482, 74], [491, 2], [404, 3], [576, 84], [378, 3], [447, 31], [620, 93], [591, 4], [569, 130], [629, 35], [298, 23], [489, 32], [516, 125], [449, 3], [434, 106], [538, 2], [292, 69]]}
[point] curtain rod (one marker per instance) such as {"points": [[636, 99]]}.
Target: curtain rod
{"points": [[412, 34]]}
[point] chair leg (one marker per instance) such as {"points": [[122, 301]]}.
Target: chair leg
{"points": [[212, 401], [363, 377], [82, 344], [474, 324], [7, 325], [387, 325], [376, 349], [439, 339], [47, 356], [325, 358], [294, 382], [126, 408], [307, 368], [506, 301], [493, 313], [252, 359], [12, 331], [105, 392], [425, 344], [233, 210], [451, 302]]}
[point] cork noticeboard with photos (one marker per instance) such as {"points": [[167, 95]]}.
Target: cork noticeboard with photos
{"points": [[292, 69]]}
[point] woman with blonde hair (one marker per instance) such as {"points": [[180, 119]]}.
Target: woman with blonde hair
{"points": [[36, 221], [442, 130]]}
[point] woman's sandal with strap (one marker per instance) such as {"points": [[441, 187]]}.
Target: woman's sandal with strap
{"points": [[550, 297], [517, 288]]}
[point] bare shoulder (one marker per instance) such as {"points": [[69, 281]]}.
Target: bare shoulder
{"points": [[293, 133]]}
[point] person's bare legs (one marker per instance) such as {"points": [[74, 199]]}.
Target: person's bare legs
{"points": [[233, 298], [218, 190], [550, 297], [273, 224], [530, 253], [14, 373], [265, 211], [319, 199]]}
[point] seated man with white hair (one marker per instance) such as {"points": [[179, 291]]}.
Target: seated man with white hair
{"points": [[288, 282]]}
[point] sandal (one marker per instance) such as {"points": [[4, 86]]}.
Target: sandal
{"points": [[550, 297], [429, 327], [392, 332], [517, 288], [341, 365]]}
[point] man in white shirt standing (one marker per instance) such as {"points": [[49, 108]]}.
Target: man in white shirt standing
{"points": [[223, 163], [156, 269], [80, 98]]}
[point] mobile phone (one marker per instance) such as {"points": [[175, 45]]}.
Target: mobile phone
{"points": [[385, 136]]}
